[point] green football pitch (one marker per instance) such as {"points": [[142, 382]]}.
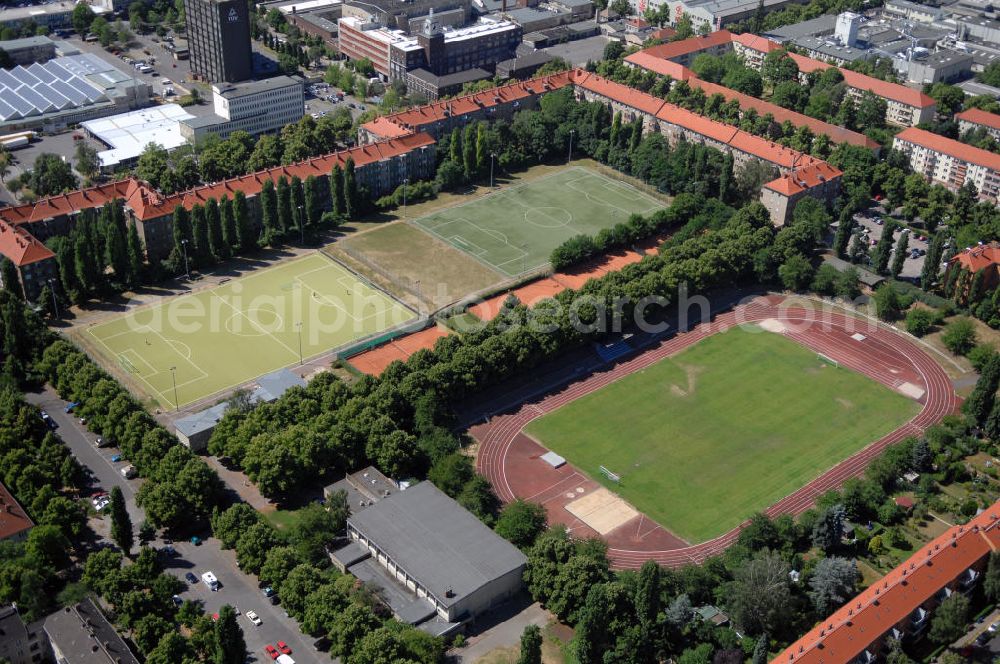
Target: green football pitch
{"points": [[726, 428], [217, 339], [514, 230]]}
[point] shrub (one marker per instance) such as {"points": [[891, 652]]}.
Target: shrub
{"points": [[959, 336], [919, 321]]}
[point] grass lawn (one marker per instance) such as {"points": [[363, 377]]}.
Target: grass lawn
{"points": [[404, 256], [219, 338], [724, 429], [515, 229]]}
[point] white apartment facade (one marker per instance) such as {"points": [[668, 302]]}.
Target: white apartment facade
{"points": [[949, 162]]}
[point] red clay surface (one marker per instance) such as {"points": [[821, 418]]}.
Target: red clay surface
{"points": [[375, 361], [509, 459], [599, 267], [529, 295]]}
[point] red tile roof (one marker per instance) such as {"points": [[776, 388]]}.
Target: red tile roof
{"points": [[950, 147], [53, 206], [13, 519], [761, 44], [890, 91], [980, 117], [664, 34], [20, 246], [837, 134], [404, 122], [893, 91], [891, 600], [807, 177], [658, 65], [691, 45], [976, 258]]}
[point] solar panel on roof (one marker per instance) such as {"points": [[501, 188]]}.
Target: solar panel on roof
{"points": [[23, 106], [68, 91], [58, 70], [57, 100], [36, 100], [6, 80], [39, 71], [24, 76], [88, 90], [8, 112]]}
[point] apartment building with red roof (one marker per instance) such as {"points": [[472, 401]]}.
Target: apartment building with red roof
{"points": [[905, 106], [34, 261], [14, 521], [379, 168], [950, 162], [976, 118], [900, 604], [983, 258]]}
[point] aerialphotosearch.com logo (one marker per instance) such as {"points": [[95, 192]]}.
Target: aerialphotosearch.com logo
{"points": [[359, 312]]}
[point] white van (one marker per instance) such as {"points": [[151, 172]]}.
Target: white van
{"points": [[210, 581]]}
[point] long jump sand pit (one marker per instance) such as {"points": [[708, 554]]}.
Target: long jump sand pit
{"points": [[602, 510]]}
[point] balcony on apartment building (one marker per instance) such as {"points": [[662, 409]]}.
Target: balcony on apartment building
{"points": [[967, 581], [919, 620], [865, 657]]}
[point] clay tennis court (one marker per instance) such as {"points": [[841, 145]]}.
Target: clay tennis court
{"points": [[512, 462], [373, 362], [577, 277]]}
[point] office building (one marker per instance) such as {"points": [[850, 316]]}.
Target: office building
{"points": [[128, 134], [406, 15], [218, 33], [901, 605], [717, 14], [256, 107], [437, 49], [949, 162]]}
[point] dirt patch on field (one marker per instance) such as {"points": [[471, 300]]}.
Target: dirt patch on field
{"points": [[414, 266], [846, 403], [691, 374]]}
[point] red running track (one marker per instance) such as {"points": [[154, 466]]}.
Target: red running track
{"points": [[508, 459]]}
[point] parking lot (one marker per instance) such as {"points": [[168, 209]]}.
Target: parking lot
{"points": [[872, 223], [236, 588]]}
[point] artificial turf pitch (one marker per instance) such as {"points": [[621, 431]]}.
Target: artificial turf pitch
{"points": [[514, 230], [220, 338], [725, 428]]}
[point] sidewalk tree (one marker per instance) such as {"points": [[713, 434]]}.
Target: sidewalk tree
{"points": [[230, 647], [121, 522]]}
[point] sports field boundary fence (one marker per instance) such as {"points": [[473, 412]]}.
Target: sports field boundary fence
{"points": [[400, 281], [347, 351]]}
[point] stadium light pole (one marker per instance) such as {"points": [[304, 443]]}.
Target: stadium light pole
{"points": [[302, 226], [55, 302], [492, 155], [184, 248], [298, 326], [173, 376], [406, 184], [570, 157]]}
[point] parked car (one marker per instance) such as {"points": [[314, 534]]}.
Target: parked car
{"points": [[71, 406], [196, 540], [283, 647], [102, 503], [170, 551], [254, 618], [177, 600], [191, 578], [271, 651], [116, 458]]}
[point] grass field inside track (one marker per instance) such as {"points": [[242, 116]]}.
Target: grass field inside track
{"points": [[514, 230], [222, 337], [725, 428]]}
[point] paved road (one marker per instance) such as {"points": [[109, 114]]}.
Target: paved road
{"points": [[238, 589]]}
